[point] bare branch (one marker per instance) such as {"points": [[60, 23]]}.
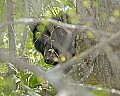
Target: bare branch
{"points": [[55, 78], [113, 91], [62, 24], [11, 37], [25, 33], [82, 55], [20, 64]]}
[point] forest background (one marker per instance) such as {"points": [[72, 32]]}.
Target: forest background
{"points": [[95, 68]]}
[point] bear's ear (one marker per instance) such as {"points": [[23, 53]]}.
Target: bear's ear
{"points": [[33, 27]]}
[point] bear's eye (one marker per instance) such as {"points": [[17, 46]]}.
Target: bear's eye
{"points": [[42, 45]]}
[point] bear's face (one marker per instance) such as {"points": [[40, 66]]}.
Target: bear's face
{"points": [[52, 41]]}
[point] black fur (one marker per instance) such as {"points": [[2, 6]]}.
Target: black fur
{"points": [[52, 38]]}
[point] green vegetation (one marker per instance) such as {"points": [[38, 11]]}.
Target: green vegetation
{"points": [[95, 21]]}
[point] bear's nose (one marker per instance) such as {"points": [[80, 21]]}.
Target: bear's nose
{"points": [[48, 61]]}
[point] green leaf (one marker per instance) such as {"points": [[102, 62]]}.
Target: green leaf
{"points": [[53, 12], [38, 35], [66, 3], [24, 77], [95, 4], [116, 13], [33, 81], [90, 35], [9, 85], [41, 27], [101, 93], [73, 18], [86, 3], [3, 69], [1, 81], [29, 45]]}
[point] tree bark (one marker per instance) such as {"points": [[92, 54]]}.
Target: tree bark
{"points": [[11, 36]]}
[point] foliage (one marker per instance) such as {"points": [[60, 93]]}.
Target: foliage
{"points": [[96, 14]]}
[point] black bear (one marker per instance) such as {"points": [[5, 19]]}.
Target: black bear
{"points": [[54, 42]]}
